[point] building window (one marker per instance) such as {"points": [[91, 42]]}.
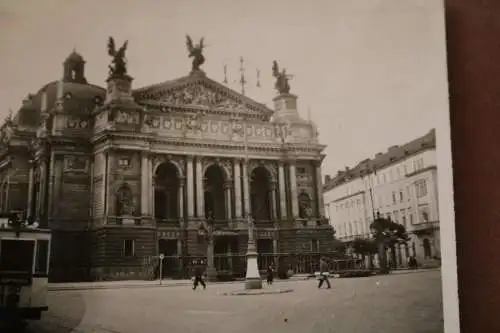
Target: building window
{"points": [[394, 197], [403, 220], [314, 245], [425, 217], [124, 162], [128, 248], [411, 218], [401, 197], [421, 188], [405, 170]]}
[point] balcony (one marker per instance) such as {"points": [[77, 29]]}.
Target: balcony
{"points": [[424, 227], [311, 223], [168, 223]]}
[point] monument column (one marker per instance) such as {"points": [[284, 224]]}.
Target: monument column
{"points": [[293, 190], [282, 189], [200, 199], [229, 210], [151, 188], [144, 184], [246, 189], [237, 189], [30, 189], [319, 190], [190, 186], [181, 200], [273, 205]]}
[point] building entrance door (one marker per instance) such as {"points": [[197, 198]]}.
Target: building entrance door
{"points": [[168, 247]]}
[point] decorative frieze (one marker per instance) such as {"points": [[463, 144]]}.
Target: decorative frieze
{"points": [[76, 164], [77, 123]]}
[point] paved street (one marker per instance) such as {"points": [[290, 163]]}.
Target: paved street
{"points": [[409, 303]]}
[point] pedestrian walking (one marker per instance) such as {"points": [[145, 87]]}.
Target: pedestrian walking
{"points": [[323, 273], [270, 274], [198, 278]]}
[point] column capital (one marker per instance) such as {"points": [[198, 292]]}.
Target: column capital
{"points": [[272, 185], [228, 184], [189, 158], [182, 181], [292, 161], [317, 163]]}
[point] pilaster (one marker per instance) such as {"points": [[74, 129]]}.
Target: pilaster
{"points": [[282, 189], [190, 186], [237, 189], [293, 189]]}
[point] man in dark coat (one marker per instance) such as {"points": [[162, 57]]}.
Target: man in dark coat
{"points": [[198, 277], [324, 271]]}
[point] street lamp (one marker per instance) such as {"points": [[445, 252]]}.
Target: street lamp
{"points": [[252, 278]]}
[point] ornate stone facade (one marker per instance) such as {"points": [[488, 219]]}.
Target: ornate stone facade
{"points": [[176, 168]]}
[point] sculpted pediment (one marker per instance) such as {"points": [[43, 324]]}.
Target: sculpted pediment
{"points": [[203, 93]]}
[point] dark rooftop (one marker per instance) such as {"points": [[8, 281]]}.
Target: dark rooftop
{"points": [[381, 160]]}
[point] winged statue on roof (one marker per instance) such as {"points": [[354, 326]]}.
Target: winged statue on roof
{"points": [[282, 78], [195, 52], [118, 65]]}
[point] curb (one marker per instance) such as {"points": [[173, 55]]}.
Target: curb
{"points": [[260, 292], [157, 285]]}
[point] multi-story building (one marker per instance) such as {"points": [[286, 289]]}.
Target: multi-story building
{"points": [[401, 184], [177, 168]]}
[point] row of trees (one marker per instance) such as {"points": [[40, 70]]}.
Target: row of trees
{"points": [[386, 234]]}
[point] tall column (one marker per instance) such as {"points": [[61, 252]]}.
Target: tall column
{"points": [[151, 188], [293, 190], [319, 190], [30, 190], [144, 184], [181, 198], [200, 199], [272, 189], [246, 189], [282, 189], [229, 210], [237, 189], [190, 186]]}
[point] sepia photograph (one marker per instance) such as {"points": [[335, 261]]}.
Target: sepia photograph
{"points": [[189, 166]]}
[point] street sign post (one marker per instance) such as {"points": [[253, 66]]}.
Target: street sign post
{"points": [[161, 266]]}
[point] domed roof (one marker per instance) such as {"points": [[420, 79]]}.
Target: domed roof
{"points": [[74, 57], [80, 95]]}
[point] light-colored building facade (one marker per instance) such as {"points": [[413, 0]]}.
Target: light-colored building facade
{"points": [[122, 175], [401, 184]]}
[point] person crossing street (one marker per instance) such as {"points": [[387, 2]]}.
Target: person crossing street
{"points": [[323, 273]]}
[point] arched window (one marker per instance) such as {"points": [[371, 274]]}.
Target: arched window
{"points": [[124, 201], [305, 209]]}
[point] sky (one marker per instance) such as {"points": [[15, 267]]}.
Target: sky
{"points": [[371, 72]]}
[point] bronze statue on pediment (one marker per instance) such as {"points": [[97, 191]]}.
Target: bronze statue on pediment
{"points": [[118, 65], [195, 52], [282, 78]]}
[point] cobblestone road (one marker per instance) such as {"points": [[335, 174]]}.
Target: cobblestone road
{"points": [[409, 303]]}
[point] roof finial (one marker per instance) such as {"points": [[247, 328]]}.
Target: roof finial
{"points": [[258, 78], [225, 74], [243, 82]]}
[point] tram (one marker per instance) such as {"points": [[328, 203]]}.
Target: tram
{"points": [[24, 267]]}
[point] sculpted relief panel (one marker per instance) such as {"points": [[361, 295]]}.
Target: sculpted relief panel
{"points": [[226, 129], [200, 95]]}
